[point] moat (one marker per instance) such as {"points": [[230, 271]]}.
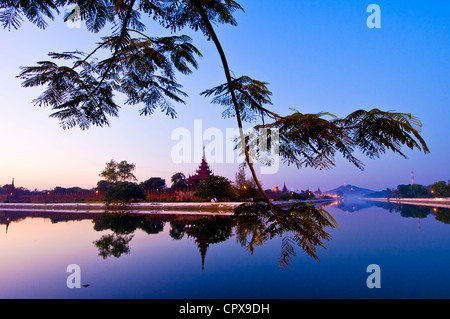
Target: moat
{"points": [[207, 255]]}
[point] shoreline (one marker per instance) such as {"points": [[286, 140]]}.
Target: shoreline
{"points": [[163, 208], [431, 202], [186, 208]]}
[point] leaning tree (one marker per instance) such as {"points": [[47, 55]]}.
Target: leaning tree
{"points": [[144, 68]]}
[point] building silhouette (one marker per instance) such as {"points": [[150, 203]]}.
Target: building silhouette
{"points": [[202, 173]]}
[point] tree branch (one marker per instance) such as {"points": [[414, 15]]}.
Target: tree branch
{"points": [[226, 68], [116, 49]]}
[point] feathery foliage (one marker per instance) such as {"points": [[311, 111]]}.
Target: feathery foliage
{"points": [[374, 132], [11, 12], [181, 14], [70, 93], [251, 95], [144, 68], [313, 140], [302, 225]]}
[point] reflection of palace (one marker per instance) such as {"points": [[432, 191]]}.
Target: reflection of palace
{"points": [[201, 240], [210, 231], [205, 229]]}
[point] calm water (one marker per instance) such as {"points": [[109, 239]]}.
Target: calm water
{"points": [[188, 256]]}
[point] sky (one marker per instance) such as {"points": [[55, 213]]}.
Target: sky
{"points": [[315, 55]]}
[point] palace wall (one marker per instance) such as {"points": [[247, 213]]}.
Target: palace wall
{"points": [[50, 197], [183, 194]]}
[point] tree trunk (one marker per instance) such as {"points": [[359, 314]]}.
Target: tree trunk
{"points": [[233, 97]]}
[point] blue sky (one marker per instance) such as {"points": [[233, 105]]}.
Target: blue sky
{"points": [[317, 56]]}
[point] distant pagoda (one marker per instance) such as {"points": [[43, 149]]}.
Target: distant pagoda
{"points": [[202, 173], [318, 191]]}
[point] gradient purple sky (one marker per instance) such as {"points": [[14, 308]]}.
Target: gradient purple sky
{"points": [[317, 56]]}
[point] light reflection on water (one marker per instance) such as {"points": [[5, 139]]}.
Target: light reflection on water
{"points": [[189, 256]]}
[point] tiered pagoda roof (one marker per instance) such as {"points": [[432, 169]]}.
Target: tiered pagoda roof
{"points": [[202, 173], [285, 190]]}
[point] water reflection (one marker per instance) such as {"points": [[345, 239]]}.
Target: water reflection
{"points": [[406, 210], [211, 231], [204, 230], [124, 223], [302, 226], [113, 245]]}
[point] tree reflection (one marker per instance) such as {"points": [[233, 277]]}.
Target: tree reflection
{"points": [[442, 215], [120, 223], [113, 245], [177, 230], [413, 211], [204, 230], [123, 225], [406, 210], [301, 225], [127, 223]]}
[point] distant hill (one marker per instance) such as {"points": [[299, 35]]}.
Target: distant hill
{"points": [[350, 191]]}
